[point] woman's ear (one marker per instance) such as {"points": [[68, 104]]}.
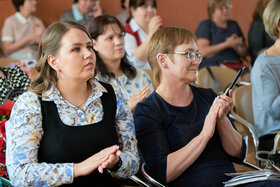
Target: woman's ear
{"points": [[162, 60], [52, 61], [94, 43]]}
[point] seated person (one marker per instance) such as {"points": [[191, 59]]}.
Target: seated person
{"points": [[108, 42], [22, 32], [124, 15], [13, 82], [183, 131], [143, 23], [82, 12], [258, 38], [220, 39], [69, 128], [266, 81]]}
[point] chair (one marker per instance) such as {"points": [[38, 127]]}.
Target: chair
{"points": [[7, 61], [216, 77], [242, 114], [149, 178]]}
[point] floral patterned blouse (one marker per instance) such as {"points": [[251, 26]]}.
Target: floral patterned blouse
{"points": [[24, 132], [128, 87], [15, 80]]}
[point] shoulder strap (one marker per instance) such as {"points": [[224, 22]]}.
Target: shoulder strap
{"points": [[129, 30]]}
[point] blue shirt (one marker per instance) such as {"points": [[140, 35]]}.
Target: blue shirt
{"points": [[265, 78], [208, 30]]}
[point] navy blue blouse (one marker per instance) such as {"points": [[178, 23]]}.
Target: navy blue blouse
{"points": [[209, 30], [162, 128]]}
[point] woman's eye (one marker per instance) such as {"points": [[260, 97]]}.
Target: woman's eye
{"points": [[76, 49], [110, 38], [90, 47], [121, 35]]}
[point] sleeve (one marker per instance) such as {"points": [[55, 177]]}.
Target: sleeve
{"points": [[24, 132], [146, 80], [130, 46], [239, 31], [23, 78], [152, 139], [267, 86], [8, 31], [127, 139], [203, 30], [256, 38]]}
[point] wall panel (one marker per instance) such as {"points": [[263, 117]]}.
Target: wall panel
{"points": [[184, 13]]}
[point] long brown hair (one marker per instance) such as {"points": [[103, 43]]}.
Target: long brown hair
{"points": [[45, 76]]}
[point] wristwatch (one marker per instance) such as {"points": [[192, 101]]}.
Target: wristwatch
{"points": [[117, 165]]}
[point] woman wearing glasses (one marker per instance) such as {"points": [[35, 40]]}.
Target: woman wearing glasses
{"points": [[183, 131], [221, 40]]}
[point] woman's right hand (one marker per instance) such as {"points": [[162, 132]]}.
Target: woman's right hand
{"points": [[154, 24], [138, 97], [92, 163], [233, 41], [211, 120]]}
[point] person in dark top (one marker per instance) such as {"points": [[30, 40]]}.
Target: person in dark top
{"points": [[69, 128], [183, 131], [220, 39], [258, 38]]}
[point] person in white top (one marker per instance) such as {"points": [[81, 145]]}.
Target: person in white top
{"points": [[108, 42], [143, 23], [22, 32]]}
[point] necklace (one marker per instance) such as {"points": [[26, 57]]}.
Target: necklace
{"points": [[84, 102]]}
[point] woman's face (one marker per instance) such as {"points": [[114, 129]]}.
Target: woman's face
{"points": [[86, 6], [180, 66], [110, 44], [143, 14], [222, 12], [29, 6], [75, 59]]}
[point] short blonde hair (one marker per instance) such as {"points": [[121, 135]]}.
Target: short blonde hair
{"points": [[166, 40], [213, 4], [45, 76], [271, 17]]}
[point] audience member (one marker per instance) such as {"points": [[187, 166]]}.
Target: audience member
{"points": [[142, 25], [266, 81], [124, 15], [82, 12], [13, 82], [108, 41], [220, 39], [69, 128], [183, 131], [258, 38], [22, 32]]}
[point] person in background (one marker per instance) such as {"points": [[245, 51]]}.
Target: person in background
{"points": [[258, 38], [69, 128], [124, 15], [183, 131], [13, 82], [82, 12], [143, 23], [220, 39], [265, 77], [108, 42], [22, 32]]}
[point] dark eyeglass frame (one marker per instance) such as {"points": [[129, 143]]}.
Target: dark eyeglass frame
{"points": [[188, 55]]}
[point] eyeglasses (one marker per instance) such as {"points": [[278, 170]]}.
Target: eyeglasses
{"points": [[190, 55]]}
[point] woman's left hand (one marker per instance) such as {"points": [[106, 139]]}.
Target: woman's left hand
{"points": [[225, 104]]}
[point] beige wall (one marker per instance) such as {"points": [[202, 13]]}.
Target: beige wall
{"points": [[184, 13]]}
